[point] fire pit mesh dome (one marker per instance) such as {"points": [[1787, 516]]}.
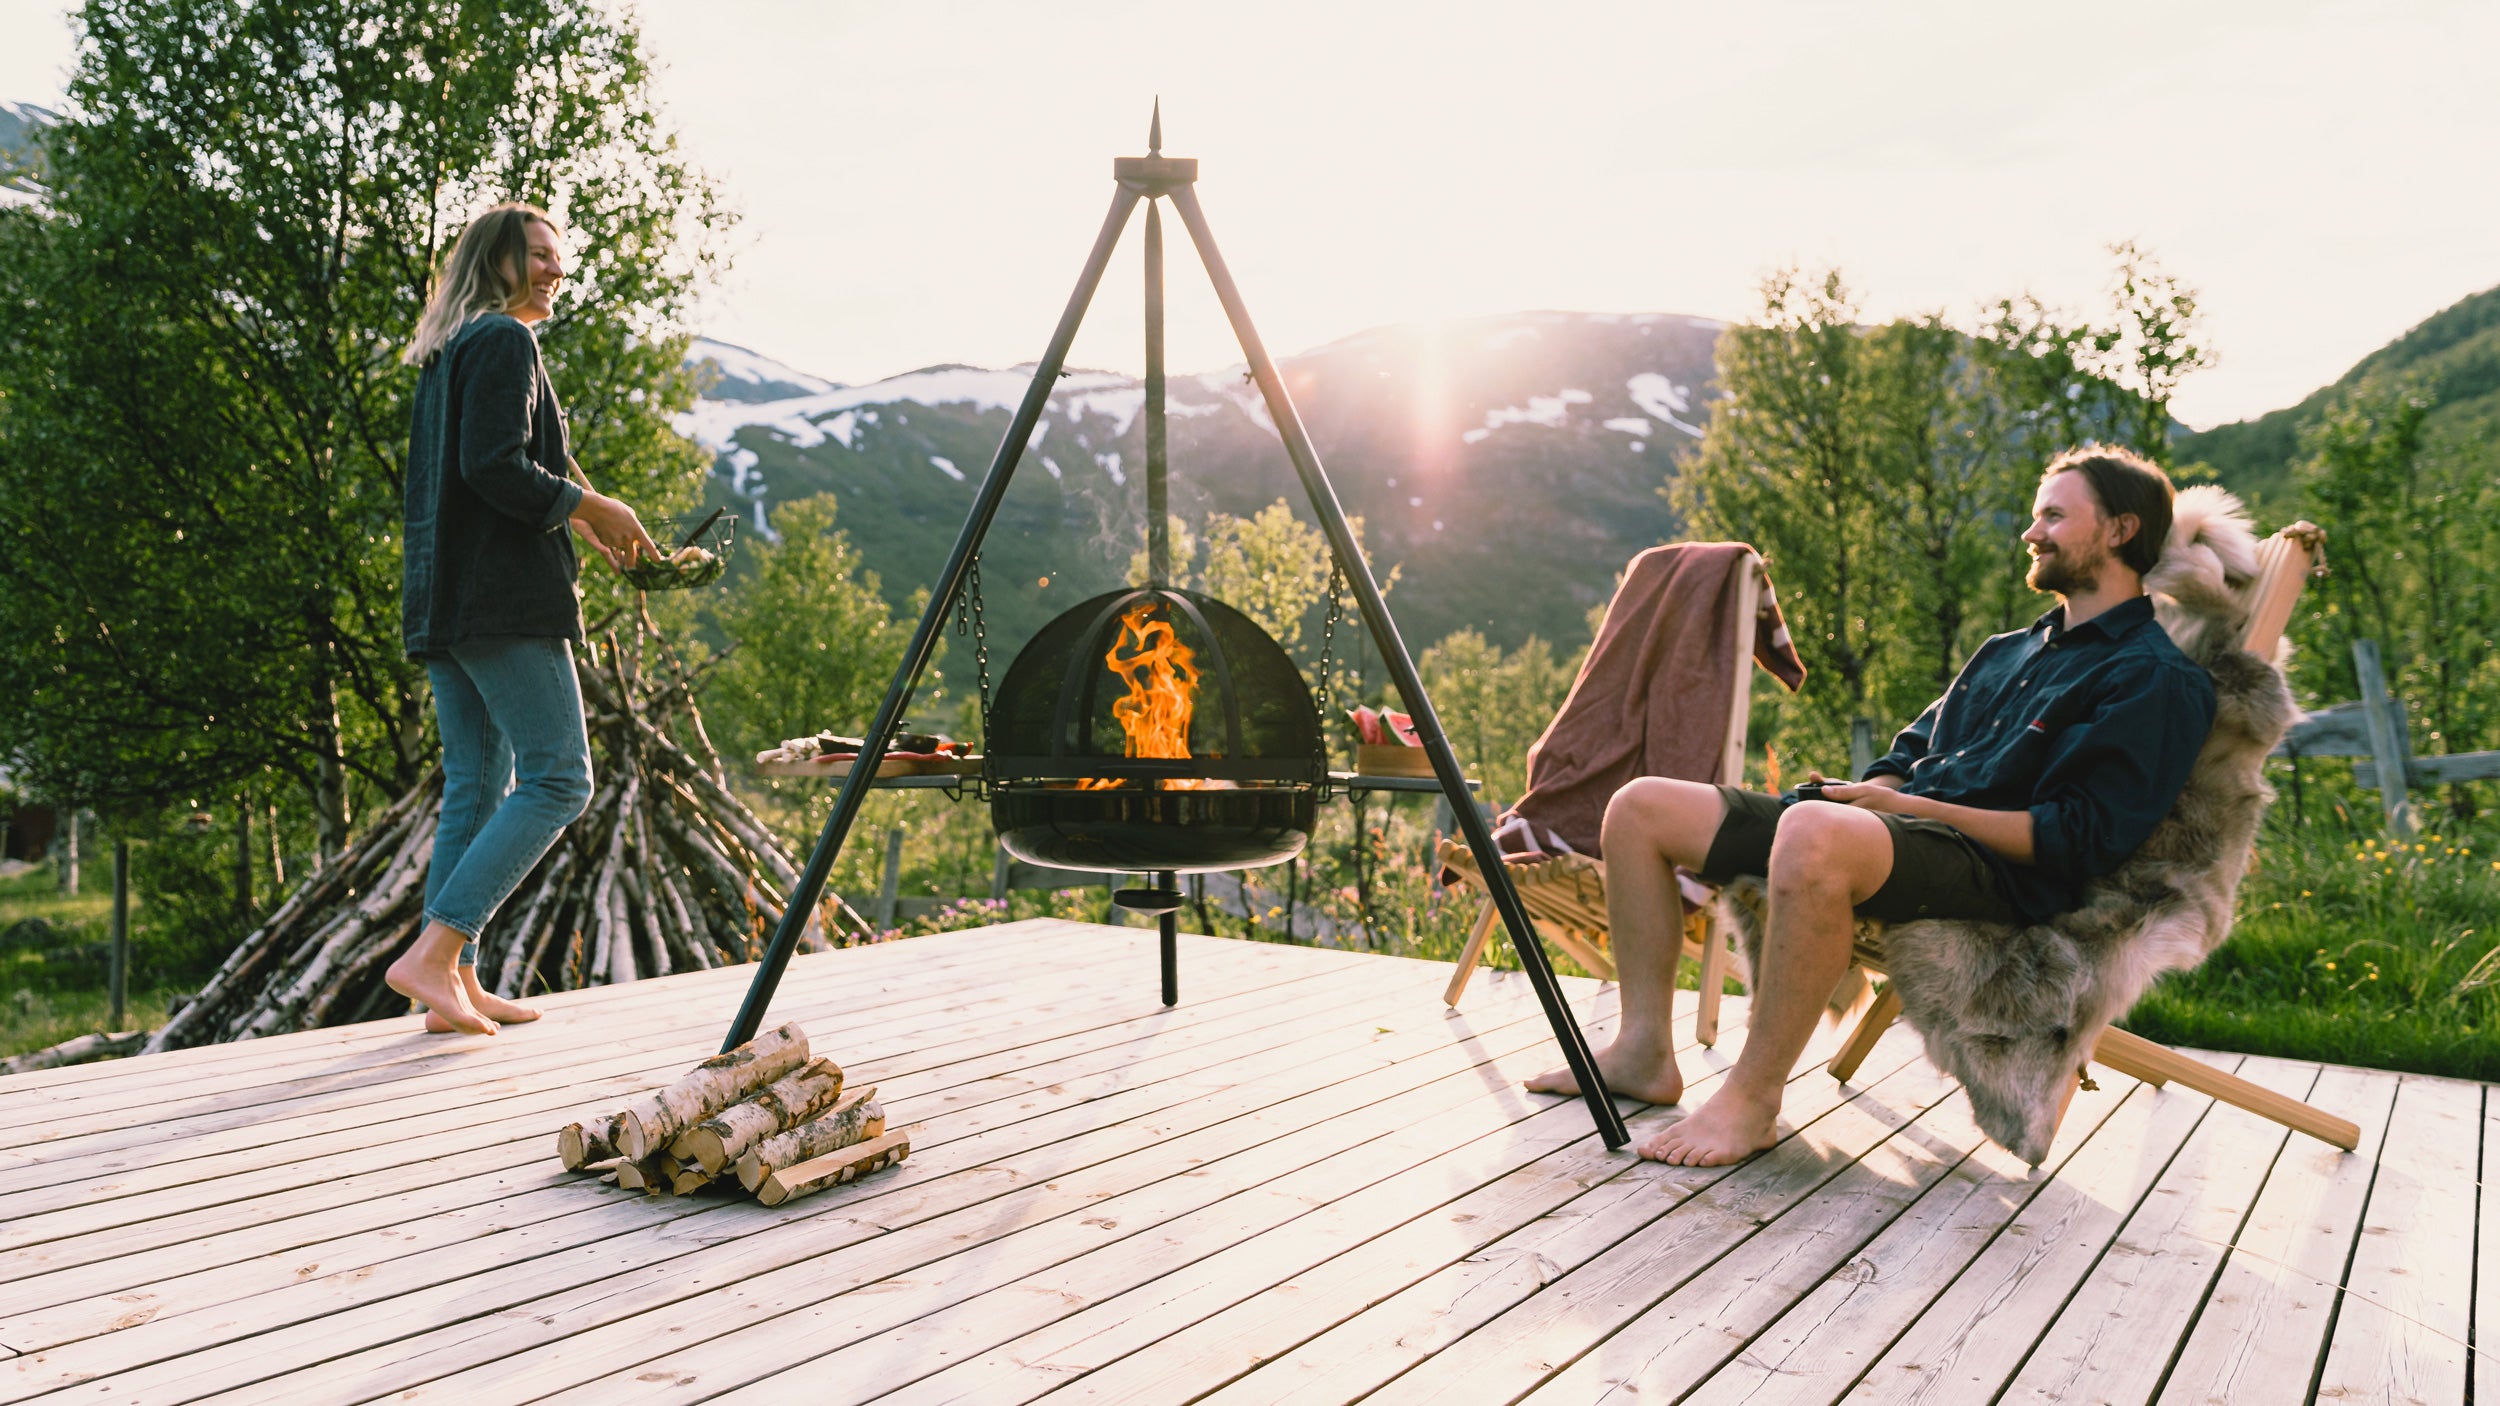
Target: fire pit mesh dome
{"points": [[1239, 791]]}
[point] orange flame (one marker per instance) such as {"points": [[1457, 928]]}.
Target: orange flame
{"points": [[1162, 677]]}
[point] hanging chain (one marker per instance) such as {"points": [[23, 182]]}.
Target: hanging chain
{"points": [[968, 617], [1328, 659]]}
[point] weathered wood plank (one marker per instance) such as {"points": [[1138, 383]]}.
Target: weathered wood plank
{"points": [[1357, 1321], [1113, 1069], [1148, 1286], [1233, 1197], [450, 1326], [2400, 1332], [1817, 1349], [1507, 1357], [1676, 1344], [1974, 1336], [2264, 1325], [2116, 1336]]}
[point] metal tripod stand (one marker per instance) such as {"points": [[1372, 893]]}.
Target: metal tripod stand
{"points": [[1155, 177]]}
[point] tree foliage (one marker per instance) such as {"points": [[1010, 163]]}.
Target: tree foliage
{"points": [[1886, 472], [203, 419], [813, 642]]}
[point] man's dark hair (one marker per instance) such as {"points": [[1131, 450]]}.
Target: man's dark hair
{"points": [[2124, 482]]}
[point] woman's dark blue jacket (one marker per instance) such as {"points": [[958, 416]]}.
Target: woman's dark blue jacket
{"points": [[486, 550]]}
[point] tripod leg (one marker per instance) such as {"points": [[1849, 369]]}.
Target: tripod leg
{"points": [[811, 884], [1170, 925]]}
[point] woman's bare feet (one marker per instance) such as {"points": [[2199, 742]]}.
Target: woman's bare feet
{"points": [[486, 1003], [1631, 1070], [427, 973], [1730, 1127]]}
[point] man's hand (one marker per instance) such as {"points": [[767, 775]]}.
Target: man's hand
{"points": [[613, 528], [1869, 795]]}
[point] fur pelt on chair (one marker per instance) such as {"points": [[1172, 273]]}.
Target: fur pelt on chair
{"points": [[2014, 1012]]}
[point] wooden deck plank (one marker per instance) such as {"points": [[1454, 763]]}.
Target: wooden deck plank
{"points": [[1512, 1354], [273, 1059], [1025, 1072], [199, 1274], [2116, 1337], [1354, 1323], [1974, 1336], [2264, 1326], [451, 1326], [628, 1216], [2400, 1332], [1205, 1261], [1318, 1184], [1679, 1342], [1217, 1203], [1820, 1347]]}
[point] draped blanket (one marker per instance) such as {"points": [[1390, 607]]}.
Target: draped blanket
{"points": [[2014, 1012]]}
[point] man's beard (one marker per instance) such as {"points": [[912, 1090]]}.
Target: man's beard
{"points": [[2063, 573]]}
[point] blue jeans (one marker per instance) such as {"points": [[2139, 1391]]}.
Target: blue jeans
{"points": [[516, 771]]}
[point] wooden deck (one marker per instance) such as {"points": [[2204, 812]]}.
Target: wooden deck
{"points": [[1308, 1183]]}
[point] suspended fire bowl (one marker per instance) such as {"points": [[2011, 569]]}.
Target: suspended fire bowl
{"points": [[1154, 730]]}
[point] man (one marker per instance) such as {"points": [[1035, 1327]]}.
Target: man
{"points": [[2048, 762]]}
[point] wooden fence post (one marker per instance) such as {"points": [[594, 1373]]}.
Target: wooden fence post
{"points": [[2386, 737], [120, 973]]}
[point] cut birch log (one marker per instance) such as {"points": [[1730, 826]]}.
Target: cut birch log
{"points": [[689, 1180], [653, 1121], [84, 1049], [857, 1118], [835, 1168], [581, 1144], [720, 1140], [649, 1175]]}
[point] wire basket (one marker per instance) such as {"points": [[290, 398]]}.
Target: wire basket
{"points": [[698, 550]]}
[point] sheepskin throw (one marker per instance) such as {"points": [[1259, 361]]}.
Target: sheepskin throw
{"points": [[2014, 1012]]}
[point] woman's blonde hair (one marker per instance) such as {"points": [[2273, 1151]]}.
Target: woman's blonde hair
{"points": [[486, 271]]}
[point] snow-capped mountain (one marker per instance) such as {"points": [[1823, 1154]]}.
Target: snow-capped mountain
{"points": [[21, 160], [1507, 466]]}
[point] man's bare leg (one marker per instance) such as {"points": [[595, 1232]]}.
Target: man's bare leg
{"points": [[485, 1003], [1652, 825], [1826, 860], [428, 972]]}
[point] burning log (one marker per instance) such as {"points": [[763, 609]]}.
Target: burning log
{"points": [[666, 870], [652, 1122], [857, 1118], [721, 1139], [833, 1169]]}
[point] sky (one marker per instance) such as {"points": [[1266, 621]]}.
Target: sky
{"points": [[919, 183]]}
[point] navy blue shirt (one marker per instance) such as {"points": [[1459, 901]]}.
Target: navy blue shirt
{"points": [[2093, 730]]}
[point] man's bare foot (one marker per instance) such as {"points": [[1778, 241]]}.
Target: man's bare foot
{"points": [[1729, 1128], [438, 989], [1631, 1071]]}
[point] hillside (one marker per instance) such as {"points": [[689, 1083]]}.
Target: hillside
{"points": [[2455, 351], [1506, 466], [21, 160]]}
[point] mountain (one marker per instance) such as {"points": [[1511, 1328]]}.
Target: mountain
{"points": [[21, 154], [2455, 351], [1506, 466]]}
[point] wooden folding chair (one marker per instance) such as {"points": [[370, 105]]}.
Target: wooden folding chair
{"points": [[2286, 561], [1566, 894]]}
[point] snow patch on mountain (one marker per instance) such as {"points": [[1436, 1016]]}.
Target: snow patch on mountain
{"points": [[1545, 411], [1663, 399]]}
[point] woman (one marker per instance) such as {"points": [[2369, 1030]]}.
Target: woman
{"points": [[487, 598]]}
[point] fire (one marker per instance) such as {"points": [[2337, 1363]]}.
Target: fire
{"points": [[1162, 677]]}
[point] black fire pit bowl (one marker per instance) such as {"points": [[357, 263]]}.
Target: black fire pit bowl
{"points": [[1136, 831]]}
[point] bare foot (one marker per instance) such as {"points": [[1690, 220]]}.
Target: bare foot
{"points": [[1633, 1071], [1727, 1129], [492, 1006], [438, 989]]}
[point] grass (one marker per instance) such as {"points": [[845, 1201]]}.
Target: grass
{"points": [[2363, 951], [54, 954]]}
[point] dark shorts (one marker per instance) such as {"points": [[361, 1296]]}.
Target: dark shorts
{"points": [[1937, 871]]}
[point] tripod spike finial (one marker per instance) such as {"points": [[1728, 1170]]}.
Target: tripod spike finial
{"points": [[1154, 131]]}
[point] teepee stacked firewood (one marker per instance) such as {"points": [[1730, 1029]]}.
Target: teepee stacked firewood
{"points": [[766, 1113], [667, 870]]}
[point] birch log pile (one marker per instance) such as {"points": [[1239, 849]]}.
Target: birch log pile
{"points": [[780, 1118], [665, 871]]}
